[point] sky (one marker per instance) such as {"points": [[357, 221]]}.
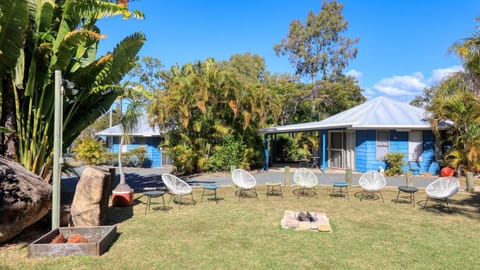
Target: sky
{"points": [[403, 45]]}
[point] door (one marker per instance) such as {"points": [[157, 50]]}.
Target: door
{"points": [[341, 151], [335, 149]]}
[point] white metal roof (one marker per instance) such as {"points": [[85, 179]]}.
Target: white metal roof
{"points": [[378, 113], [142, 129]]}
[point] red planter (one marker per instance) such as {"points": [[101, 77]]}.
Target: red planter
{"points": [[122, 198]]}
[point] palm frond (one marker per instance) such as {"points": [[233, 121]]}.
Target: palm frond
{"points": [[13, 22], [74, 41], [123, 57]]}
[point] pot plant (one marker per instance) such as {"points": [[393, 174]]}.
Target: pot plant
{"points": [[122, 194]]}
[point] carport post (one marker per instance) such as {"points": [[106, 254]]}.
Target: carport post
{"points": [[265, 149]]}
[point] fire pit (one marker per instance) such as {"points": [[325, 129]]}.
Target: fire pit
{"points": [[305, 221], [98, 239]]}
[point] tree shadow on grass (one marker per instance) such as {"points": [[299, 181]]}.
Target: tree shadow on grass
{"points": [[119, 214], [468, 207]]}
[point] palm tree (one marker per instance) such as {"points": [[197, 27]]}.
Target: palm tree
{"points": [[455, 103], [128, 122], [202, 103]]}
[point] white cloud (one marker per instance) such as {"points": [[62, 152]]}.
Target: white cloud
{"points": [[409, 85], [441, 73], [406, 87], [355, 74]]}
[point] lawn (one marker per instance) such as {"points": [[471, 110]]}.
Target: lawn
{"points": [[247, 235]]}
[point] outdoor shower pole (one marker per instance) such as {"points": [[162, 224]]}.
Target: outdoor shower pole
{"points": [[57, 149]]}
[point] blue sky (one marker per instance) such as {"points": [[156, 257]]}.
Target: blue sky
{"points": [[403, 44]]}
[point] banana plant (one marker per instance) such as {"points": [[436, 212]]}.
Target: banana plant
{"points": [[59, 35]]}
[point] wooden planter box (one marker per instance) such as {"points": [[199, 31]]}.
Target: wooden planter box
{"points": [[99, 239]]}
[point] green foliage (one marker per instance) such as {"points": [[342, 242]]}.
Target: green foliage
{"points": [[318, 44], [111, 159], [90, 151], [141, 155], [394, 161], [13, 21], [290, 149], [60, 35], [230, 152], [283, 148], [454, 102], [183, 158], [203, 102]]}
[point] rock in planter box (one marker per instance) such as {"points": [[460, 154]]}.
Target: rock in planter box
{"points": [[99, 238]]}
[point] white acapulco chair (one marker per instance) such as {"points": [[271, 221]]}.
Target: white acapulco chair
{"points": [[372, 182], [177, 187], [442, 189], [307, 180], [245, 182]]}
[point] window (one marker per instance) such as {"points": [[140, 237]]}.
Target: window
{"points": [[415, 145], [382, 144]]}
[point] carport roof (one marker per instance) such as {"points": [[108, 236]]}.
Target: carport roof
{"points": [[378, 113], [142, 129]]}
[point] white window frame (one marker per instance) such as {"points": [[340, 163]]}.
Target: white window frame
{"points": [[385, 145], [415, 145]]}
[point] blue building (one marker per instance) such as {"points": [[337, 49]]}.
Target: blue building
{"points": [[143, 135], [360, 137]]}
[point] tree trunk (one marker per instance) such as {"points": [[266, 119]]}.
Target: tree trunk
{"points": [[122, 186], [9, 120]]}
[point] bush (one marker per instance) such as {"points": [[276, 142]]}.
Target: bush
{"points": [[183, 159], [139, 154], [90, 151], [394, 163], [287, 149], [230, 153]]}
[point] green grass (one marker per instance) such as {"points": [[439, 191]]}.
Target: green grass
{"points": [[247, 235]]}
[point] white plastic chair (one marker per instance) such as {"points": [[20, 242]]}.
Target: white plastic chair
{"points": [[442, 189], [244, 181], [306, 179], [372, 182], [177, 187]]}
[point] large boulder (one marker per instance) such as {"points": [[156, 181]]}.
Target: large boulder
{"points": [[24, 198], [90, 202]]}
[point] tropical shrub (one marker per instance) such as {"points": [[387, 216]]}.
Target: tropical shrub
{"points": [[90, 151], [40, 37], [283, 147], [230, 153], [184, 159], [289, 149], [140, 154], [394, 161]]}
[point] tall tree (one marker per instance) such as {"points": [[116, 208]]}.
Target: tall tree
{"points": [[59, 35], [319, 46], [202, 103], [457, 100], [455, 104]]}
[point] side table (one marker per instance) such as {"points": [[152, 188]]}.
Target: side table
{"points": [[410, 190], [211, 187], [274, 189], [340, 186], [153, 194]]}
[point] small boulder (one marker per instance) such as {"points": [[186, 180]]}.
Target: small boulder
{"points": [[90, 202]]}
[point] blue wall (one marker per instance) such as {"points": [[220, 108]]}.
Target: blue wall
{"points": [[154, 155], [366, 151]]}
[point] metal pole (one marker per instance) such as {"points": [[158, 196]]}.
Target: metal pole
{"points": [[57, 149]]}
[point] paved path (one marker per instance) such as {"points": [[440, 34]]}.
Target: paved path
{"points": [[139, 179]]}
